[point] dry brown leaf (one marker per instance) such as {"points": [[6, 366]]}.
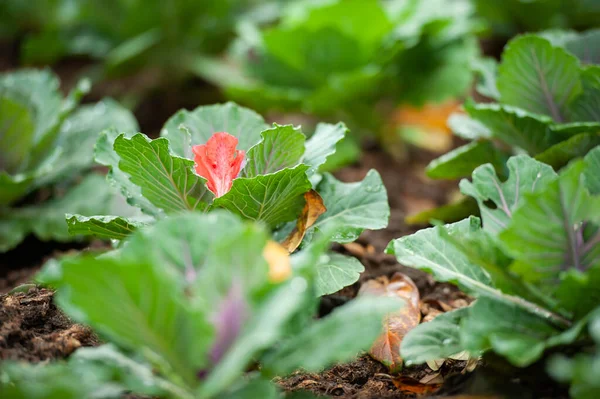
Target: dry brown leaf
{"points": [[436, 364], [471, 365], [410, 385], [313, 208], [386, 348], [431, 117], [431, 130], [370, 249], [434, 378], [278, 259], [355, 249]]}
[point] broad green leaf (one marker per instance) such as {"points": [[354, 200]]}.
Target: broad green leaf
{"points": [[436, 339], [105, 154], [132, 374], [31, 113], [111, 227], [350, 17], [16, 133], [353, 206], [579, 292], [350, 328], [434, 72], [586, 106], [274, 198], [487, 69], [58, 380], [281, 147], [514, 126], [80, 131], [13, 187], [249, 271], [467, 128], [580, 370], [538, 77], [546, 232], [167, 181], [201, 123], [568, 130], [38, 92], [196, 248], [591, 172], [428, 251], [47, 221], [461, 161], [323, 48], [262, 332], [253, 389], [147, 311], [322, 144], [347, 152], [336, 271], [482, 249], [526, 175], [560, 154], [508, 329], [585, 46]]}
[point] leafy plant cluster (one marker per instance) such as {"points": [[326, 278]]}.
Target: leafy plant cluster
{"points": [[46, 144], [546, 90], [323, 56], [314, 56], [532, 262], [187, 316], [197, 289], [125, 35], [280, 184]]}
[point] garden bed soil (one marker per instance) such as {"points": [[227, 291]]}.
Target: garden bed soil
{"points": [[33, 329]]}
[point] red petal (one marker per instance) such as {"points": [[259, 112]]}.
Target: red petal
{"points": [[219, 162]]}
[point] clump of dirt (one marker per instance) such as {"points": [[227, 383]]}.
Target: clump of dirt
{"points": [[33, 329], [351, 380], [365, 378]]}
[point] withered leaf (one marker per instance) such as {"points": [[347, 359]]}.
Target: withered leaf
{"points": [[313, 208], [386, 348], [409, 385]]}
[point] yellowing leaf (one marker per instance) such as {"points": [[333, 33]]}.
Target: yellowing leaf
{"points": [[431, 117], [425, 127], [278, 259], [386, 348], [313, 208]]}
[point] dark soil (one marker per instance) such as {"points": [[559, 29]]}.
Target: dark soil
{"points": [[33, 329]]}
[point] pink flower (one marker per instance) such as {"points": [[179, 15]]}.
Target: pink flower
{"points": [[219, 162]]}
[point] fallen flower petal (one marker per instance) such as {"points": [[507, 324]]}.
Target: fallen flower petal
{"points": [[219, 162]]}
